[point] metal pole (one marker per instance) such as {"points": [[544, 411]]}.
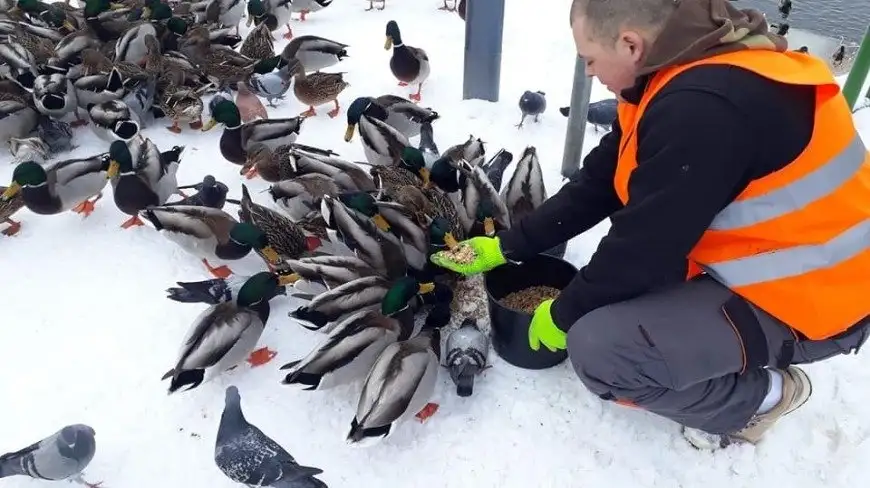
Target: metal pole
{"points": [[858, 73], [576, 119], [484, 24]]}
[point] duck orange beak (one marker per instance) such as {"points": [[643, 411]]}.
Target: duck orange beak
{"points": [[209, 125], [289, 279], [271, 255], [450, 241], [489, 226], [426, 288], [381, 222]]}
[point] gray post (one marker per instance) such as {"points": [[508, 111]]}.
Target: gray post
{"points": [[484, 23], [576, 119]]}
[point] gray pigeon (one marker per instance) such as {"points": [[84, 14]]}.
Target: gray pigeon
{"points": [[602, 113], [271, 86], [246, 455], [532, 103], [467, 349], [62, 455]]}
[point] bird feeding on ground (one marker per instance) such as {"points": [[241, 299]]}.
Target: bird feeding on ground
{"points": [[532, 103]]}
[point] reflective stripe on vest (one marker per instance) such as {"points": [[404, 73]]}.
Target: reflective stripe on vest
{"points": [[796, 195], [796, 242]]}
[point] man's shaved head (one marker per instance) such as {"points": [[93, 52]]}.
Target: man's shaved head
{"points": [[605, 18]]}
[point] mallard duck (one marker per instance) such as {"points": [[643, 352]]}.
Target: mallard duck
{"points": [[366, 237], [301, 196], [209, 234], [141, 176], [315, 53], [29, 149], [398, 387], [399, 113], [237, 137], [427, 146], [17, 115], [286, 237], [496, 166], [224, 334], [272, 14], [96, 89], [216, 290], [481, 202], [225, 12], [114, 120], [19, 65], [410, 65], [317, 88], [411, 170], [348, 176], [350, 349], [271, 165], [329, 271], [71, 46], [305, 7], [62, 186], [382, 144], [221, 64], [8, 209], [472, 150], [131, 46], [182, 105], [525, 191], [38, 40], [258, 44], [96, 62]]}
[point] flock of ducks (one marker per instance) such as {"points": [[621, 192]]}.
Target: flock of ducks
{"points": [[352, 238]]}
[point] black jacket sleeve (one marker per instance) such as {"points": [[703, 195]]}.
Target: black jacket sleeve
{"points": [[694, 151], [587, 199]]}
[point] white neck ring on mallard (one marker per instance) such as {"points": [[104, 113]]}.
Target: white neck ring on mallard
{"points": [[234, 128], [398, 45]]}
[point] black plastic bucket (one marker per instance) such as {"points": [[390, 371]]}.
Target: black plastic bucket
{"points": [[510, 328]]}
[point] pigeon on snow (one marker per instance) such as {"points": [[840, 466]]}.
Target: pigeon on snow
{"points": [[62, 455], [246, 455], [532, 103]]}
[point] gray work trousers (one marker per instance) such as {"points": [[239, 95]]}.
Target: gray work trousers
{"points": [[694, 353]]}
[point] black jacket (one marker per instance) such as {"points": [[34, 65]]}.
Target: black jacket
{"points": [[707, 134]]}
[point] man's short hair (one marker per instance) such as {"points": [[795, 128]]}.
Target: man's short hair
{"points": [[605, 18]]}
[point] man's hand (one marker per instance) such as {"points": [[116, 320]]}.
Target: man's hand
{"points": [[483, 253], [542, 330]]}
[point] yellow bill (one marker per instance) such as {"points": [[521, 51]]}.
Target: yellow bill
{"points": [[425, 175], [270, 254], [114, 169], [209, 125], [348, 133], [450, 241], [426, 288], [489, 226], [288, 279], [116, 6], [388, 43], [10, 192], [68, 25], [381, 222]]}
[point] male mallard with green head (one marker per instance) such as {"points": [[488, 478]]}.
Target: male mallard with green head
{"points": [[410, 65], [237, 137], [210, 234], [62, 186]]}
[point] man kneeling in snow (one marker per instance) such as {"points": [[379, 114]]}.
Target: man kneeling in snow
{"points": [[739, 195]]}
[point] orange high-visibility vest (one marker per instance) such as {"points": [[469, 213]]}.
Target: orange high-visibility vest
{"points": [[795, 243]]}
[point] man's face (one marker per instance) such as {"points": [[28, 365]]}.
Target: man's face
{"points": [[615, 65]]}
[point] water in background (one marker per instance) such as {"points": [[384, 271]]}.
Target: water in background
{"points": [[833, 18]]}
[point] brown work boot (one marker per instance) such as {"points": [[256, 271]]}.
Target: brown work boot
{"points": [[796, 390]]}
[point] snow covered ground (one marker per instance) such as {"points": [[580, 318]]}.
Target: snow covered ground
{"points": [[87, 333]]}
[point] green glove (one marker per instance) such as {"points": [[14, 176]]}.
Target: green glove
{"points": [[543, 331], [486, 256]]}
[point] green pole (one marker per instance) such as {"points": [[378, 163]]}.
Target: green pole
{"points": [[858, 73]]}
